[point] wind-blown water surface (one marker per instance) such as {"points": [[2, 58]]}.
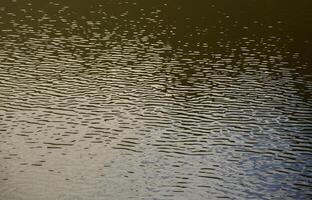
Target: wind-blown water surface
{"points": [[155, 99]]}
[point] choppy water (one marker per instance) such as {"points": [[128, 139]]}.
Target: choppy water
{"points": [[155, 99]]}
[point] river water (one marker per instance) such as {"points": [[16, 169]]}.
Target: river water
{"points": [[166, 99]]}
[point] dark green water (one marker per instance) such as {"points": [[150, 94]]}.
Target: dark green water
{"points": [[146, 99]]}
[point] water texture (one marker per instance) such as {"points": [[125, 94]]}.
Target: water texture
{"points": [[155, 100]]}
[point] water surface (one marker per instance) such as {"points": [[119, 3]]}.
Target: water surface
{"points": [[155, 99]]}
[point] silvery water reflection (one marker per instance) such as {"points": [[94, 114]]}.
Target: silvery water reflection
{"points": [[154, 100]]}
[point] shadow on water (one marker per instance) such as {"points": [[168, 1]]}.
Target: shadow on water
{"points": [[155, 99]]}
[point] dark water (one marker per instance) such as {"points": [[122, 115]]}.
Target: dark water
{"points": [[166, 99]]}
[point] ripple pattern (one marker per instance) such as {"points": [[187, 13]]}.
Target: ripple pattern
{"points": [[115, 101]]}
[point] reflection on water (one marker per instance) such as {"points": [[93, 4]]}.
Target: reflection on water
{"points": [[154, 100]]}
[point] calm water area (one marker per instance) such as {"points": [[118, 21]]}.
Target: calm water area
{"points": [[155, 99]]}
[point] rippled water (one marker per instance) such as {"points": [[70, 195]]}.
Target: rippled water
{"points": [[155, 99]]}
